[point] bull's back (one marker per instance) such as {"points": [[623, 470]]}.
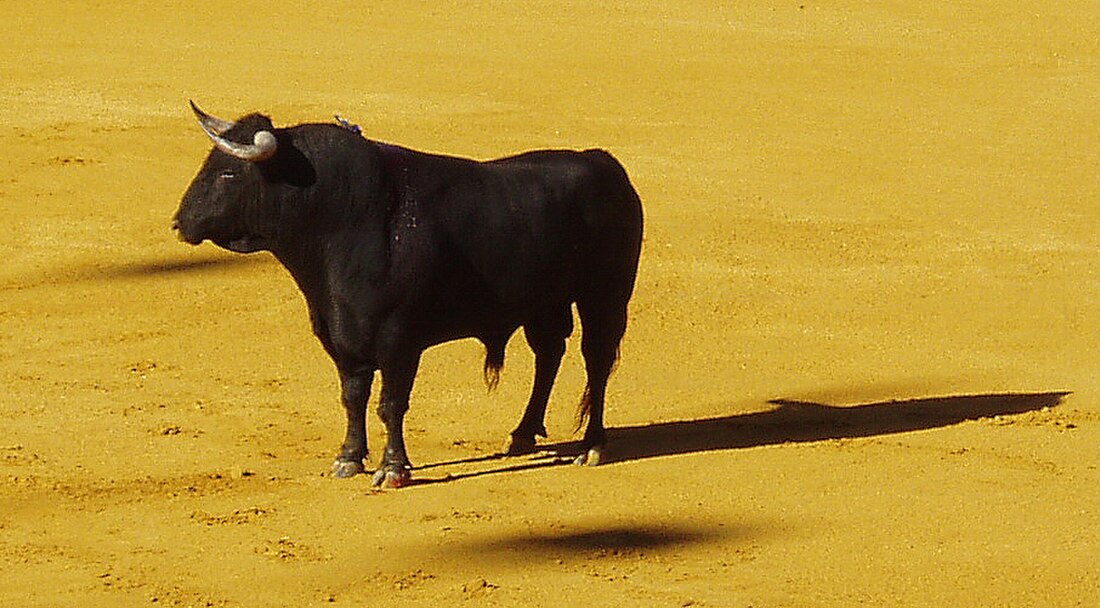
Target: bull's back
{"points": [[591, 185]]}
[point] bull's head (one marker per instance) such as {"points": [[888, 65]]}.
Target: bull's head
{"points": [[225, 202]]}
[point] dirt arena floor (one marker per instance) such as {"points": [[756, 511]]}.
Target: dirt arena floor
{"points": [[862, 367]]}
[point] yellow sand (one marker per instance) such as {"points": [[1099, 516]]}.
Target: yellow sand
{"points": [[848, 204]]}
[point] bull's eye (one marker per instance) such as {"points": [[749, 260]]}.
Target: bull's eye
{"points": [[228, 174]]}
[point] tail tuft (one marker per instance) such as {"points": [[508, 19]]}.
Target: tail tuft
{"points": [[494, 362]]}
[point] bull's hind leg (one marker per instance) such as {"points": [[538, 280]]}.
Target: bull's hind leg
{"points": [[546, 337], [602, 330], [355, 393]]}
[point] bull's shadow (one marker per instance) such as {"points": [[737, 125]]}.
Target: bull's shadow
{"points": [[108, 271], [169, 266], [790, 421], [793, 421]]}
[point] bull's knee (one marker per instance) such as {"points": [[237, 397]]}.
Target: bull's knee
{"points": [[392, 412]]}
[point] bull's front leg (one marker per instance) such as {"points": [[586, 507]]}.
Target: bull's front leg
{"points": [[397, 381], [355, 394]]}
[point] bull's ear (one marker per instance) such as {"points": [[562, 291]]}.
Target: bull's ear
{"points": [[213, 125], [263, 146]]}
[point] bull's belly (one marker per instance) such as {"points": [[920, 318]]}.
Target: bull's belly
{"points": [[491, 320]]}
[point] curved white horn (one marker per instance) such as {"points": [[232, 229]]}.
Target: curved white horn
{"points": [[263, 147], [211, 124], [263, 144]]}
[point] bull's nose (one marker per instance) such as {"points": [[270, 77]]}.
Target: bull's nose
{"points": [[179, 232]]}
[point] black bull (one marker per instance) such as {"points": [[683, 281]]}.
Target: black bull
{"points": [[397, 250]]}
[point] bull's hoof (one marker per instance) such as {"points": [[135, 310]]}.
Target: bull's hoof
{"points": [[591, 457], [517, 446], [345, 469], [392, 476]]}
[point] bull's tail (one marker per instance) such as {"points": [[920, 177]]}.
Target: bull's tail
{"points": [[494, 362]]}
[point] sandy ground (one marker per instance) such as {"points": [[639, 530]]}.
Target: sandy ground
{"points": [[862, 361]]}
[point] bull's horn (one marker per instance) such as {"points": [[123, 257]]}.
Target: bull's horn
{"points": [[211, 124], [263, 147], [263, 144]]}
